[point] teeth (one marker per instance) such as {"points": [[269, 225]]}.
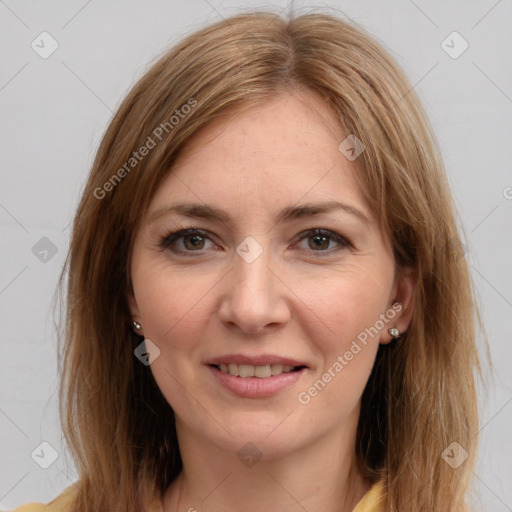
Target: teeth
{"points": [[276, 369], [261, 371], [245, 370]]}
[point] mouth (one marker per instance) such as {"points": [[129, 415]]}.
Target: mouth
{"points": [[245, 371], [259, 376]]}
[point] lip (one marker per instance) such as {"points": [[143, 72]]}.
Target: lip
{"points": [[260, 360], [254, 387]]}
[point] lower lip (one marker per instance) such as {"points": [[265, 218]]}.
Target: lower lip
{"points": [[254, 387]]}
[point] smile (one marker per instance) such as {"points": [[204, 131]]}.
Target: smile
{"points": [[260, 371], [255, 381]]}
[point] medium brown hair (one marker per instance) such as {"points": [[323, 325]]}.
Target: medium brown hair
{"points": [[421, 394]]}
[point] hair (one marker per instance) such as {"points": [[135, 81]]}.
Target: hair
{"points": [[421, 394]]}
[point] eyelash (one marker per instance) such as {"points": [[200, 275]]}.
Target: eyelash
{"points": [[174, 236]]}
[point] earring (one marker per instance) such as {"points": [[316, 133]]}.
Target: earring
{"points": [[395, 333], [136, 326]]}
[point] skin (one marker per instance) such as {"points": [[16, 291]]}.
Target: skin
{"points": [[295, 300]]}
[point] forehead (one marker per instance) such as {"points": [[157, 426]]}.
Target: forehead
{"points": [[267, 156]]}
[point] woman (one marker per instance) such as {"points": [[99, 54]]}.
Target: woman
{"points": [[266, 305]]}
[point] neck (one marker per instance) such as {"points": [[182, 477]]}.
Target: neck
{"points": [[321, 476]]}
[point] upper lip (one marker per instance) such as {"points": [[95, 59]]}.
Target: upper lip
{"points": [[261, 360]]}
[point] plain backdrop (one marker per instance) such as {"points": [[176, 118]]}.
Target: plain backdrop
{"points": [[55, 108]]}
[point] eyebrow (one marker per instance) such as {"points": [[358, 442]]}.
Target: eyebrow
{"points": [[203, 211]]}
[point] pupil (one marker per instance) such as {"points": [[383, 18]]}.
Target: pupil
{"points": [[196, 241], [320, 242]]}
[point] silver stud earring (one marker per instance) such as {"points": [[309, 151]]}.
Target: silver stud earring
{"points": [[136, 326], [394, 332]]}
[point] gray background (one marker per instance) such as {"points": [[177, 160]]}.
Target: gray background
{"points": [[55, 110]]}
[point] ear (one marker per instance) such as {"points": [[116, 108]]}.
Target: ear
{"points": [[134, 311], [402, 302]]}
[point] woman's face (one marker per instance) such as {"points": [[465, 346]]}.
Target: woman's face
{"points": [[287, 268]]}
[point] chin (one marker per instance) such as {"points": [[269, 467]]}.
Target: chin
{"points": [[269, 433]]}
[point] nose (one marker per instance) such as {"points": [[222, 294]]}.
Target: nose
{"points": [[255, 299]]}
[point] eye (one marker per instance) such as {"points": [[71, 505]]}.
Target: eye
{"points": [[189, 240], [186, 240], [323, 240]]}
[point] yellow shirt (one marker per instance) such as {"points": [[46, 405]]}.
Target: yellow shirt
{"points": [[369, 503]]}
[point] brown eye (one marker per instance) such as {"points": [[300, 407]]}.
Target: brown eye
{"points": [[323, 241], [187, 241], [318, 242], [193, 242]]}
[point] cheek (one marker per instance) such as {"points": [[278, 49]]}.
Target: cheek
{"points": [[175, 315], [346, 305], [347, 313], [171, 303]]}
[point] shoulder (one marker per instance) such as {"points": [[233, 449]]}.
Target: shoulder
{"points": [[61, 503], [372, 500]]}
